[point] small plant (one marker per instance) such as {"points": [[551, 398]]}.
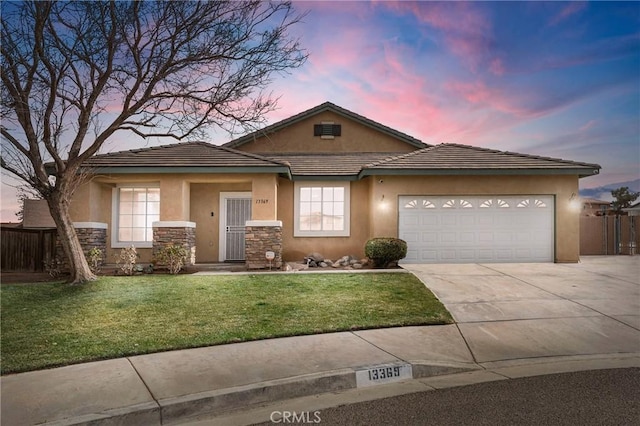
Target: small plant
{"points": [[95, 259], [385, 252], [126, 260], [53, 266], [173, 257]]}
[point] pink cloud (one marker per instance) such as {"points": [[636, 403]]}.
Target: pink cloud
{"points": [[571, 9], [497, 66], [466, 30]]}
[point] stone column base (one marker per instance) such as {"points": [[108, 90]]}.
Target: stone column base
{"points": [[91, 235], [262, 236], [179, 233]]}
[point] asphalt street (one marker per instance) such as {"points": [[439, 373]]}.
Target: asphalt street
{"points": [[601, 397]]}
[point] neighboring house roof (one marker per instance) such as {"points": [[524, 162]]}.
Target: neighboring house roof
{"points": [[184, 157], [633, 210], [327, 106], [464, 159], [594, 201]]}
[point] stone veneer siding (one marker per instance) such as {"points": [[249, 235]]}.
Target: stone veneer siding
{"points": [[90, 235], [261, 237], [177, 233]]}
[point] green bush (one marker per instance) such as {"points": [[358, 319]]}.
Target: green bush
{"points": [[385, 252]]}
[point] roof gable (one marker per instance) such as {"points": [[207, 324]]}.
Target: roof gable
{"points": [[322, 108]]}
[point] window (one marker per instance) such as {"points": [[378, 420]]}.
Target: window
{"points": [[321, 209], [135, 210], [327, 130]]}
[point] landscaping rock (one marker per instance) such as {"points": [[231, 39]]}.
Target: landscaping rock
{"points": [[316, 257], [322, 264]]}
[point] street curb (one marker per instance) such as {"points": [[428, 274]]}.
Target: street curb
{"points": [[146, 413], [218, 402], [174, 409], [509, 370]]}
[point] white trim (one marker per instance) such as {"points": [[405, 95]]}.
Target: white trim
{"points": [[222, 207], [264, 223], [94, 225], [347, 209], [173, 224]]}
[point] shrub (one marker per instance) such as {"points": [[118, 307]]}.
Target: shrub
{"points": [[385, 252], [127, 260], [173, 257], [95, 259]]}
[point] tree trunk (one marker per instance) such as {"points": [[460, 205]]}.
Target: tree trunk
{"points": [[78, 266]]}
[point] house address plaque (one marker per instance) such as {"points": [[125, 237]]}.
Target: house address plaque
{"points": [[385, 373]]}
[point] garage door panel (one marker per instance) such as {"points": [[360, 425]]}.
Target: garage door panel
{"points": [[478, 228], [467, 221], [448, 220], [428, 220], [429, 237], [467, 237], [410, 237]]}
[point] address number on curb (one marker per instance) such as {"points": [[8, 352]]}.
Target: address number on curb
{"points": [[387, 373]]}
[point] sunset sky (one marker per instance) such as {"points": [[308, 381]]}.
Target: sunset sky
{"points": [[547, 78]]}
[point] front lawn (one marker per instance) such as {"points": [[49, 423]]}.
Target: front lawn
{"points": [[46, 325]]}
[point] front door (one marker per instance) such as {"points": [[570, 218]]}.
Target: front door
{"points": [[236, 211]]}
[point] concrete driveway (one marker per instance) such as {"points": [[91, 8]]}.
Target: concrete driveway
{"points": [[519, 311]]}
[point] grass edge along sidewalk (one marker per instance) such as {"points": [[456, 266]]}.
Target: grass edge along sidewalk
{"points": [[54, 324]]}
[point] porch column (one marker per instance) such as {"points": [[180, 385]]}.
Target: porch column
{"points": [[263, 236], [264, 192], [263, 233], [180, 233], [91, 235], [175, 195]]}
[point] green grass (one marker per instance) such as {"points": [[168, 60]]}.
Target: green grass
{"points": [[46, 325]]}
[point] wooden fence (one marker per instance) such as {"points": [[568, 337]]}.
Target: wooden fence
{"points": [[26, 250], [603, 235]]}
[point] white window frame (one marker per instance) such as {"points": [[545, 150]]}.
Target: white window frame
{"points": [[115, 216], [298, 185]]}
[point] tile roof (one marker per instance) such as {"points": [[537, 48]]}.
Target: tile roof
{"points": [[327, 106], [188, 154], [327, 164], [439, 159], [456, 158]]}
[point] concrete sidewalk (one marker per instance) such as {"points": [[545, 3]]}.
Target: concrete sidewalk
{"points": [[513, 320]]}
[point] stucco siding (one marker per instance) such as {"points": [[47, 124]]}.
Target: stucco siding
{"points": [[384, 214], [355, 137], [205, 199], [295, 248]]}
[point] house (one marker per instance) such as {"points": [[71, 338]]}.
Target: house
{"points": [[36, 215], [633, 210], [327, 180], [594, 207]]}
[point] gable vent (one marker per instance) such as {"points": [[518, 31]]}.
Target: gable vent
{"points": [[327, 130]]}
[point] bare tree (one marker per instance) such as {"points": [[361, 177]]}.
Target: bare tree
{"points": [[75, 73]]}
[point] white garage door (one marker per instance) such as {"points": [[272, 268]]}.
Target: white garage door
{"points": [[467, 229]]}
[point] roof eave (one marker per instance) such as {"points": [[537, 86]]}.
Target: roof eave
{"points": [[330, 178], [189, 169], [581, 172]]}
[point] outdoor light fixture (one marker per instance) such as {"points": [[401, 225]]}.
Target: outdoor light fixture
{"points": [[574, 203]]}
